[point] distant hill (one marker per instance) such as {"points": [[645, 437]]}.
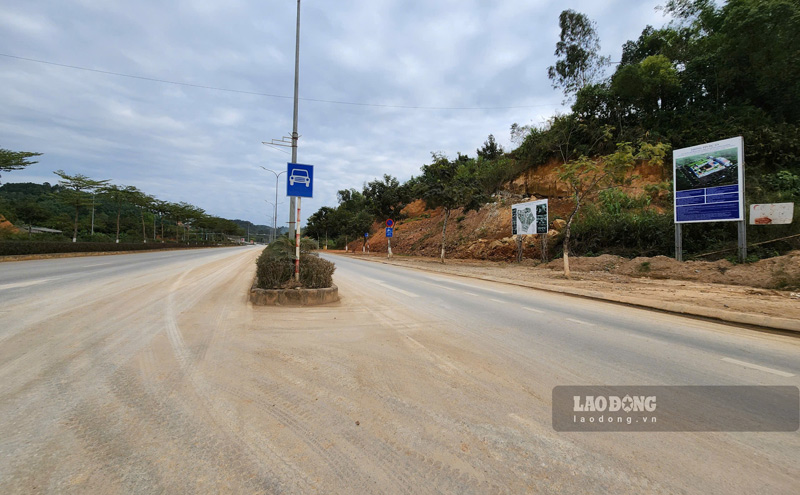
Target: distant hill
{"points": [[258, 229]]}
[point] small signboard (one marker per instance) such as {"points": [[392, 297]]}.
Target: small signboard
{"points": [[300, 180], [772, 214], [709, 182], [389, 232], [390, 223], [366, 234], [529, 218]]}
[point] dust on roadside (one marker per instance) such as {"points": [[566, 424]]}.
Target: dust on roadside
{"points": [[716, 285]]}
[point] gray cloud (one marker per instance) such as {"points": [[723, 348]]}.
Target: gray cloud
{"points": [[203, 146]]}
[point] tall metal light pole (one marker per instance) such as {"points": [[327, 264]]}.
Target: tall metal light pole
{"points": [[292, 220], [294, 202], [275, 218]]}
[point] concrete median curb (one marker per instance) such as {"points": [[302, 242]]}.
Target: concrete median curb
{"points": [[293, 297], [749, 319]]}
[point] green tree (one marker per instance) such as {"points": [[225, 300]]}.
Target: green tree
{"points": [[15, 160], [490, 149], [145, 203], [118, 196], [75, 191], [386, 197], [586, 177], [449, 184], [31, 211], [648, 85], [579, 63]]}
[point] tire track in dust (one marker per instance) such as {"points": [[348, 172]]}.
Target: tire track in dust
{"points": [[188, 369]]}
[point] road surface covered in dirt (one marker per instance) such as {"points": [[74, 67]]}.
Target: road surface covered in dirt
{"points": [[153, 374]]}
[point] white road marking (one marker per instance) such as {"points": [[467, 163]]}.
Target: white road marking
{"points": [[438, 286], [580, 322], [757, 367], [470, 294], [532, 309], [498, 301], [26, 284], [472, 286], [98, 264], [401, 291]]}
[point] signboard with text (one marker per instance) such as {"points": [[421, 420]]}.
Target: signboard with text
{"points": [[772, 214], [709, 182], [529, 218]]}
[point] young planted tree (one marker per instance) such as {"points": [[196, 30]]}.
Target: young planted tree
{"points": [[586, 177], [15, 160], [450, 185], [144, 202], [118, 196], [75, 191]]}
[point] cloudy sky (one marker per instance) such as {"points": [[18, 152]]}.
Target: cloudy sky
{"points": [[383, 84]]}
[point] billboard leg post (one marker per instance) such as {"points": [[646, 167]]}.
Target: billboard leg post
{"points": [[519, 249], [544, 248], [742, 241], [678, 242]]}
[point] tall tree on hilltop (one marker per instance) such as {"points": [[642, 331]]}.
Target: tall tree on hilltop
{"points": [[491, 150], [579, 63]]}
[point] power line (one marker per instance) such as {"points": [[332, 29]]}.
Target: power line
{"points": [[255, 93]]}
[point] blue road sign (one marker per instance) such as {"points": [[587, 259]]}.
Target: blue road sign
{"points": [[366, 234], [300, 180], [389, 232], [390, 223]]}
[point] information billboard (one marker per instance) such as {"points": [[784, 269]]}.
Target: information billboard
{"points": [[529, 218], [709, 182]]}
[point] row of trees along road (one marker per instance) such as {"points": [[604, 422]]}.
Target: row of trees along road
{"points": [[35, 203], [460, 183]]}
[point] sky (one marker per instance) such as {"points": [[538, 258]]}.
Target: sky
{"points": [[383, 83]]}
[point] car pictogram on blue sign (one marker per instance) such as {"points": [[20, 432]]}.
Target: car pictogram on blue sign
{"points": [[300, 180]]}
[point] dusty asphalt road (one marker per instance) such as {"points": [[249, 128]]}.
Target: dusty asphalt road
{"points": [[150, 373]]}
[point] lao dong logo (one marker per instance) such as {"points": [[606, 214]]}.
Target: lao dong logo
{"points": [[613, 403]]}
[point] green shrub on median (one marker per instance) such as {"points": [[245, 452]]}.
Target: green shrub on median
{"points": [[275, 266]]}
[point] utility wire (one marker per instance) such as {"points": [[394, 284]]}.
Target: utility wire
{"points": [[255, 93]]}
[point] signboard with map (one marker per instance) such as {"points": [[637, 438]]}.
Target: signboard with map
{"points": [[529, 218]]}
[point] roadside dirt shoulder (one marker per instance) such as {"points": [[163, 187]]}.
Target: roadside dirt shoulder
{"points": [[742, 304]]}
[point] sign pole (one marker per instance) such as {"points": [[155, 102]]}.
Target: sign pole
{"points": [[389, 240], [297, 243], [679, 241], [742, 241]]}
